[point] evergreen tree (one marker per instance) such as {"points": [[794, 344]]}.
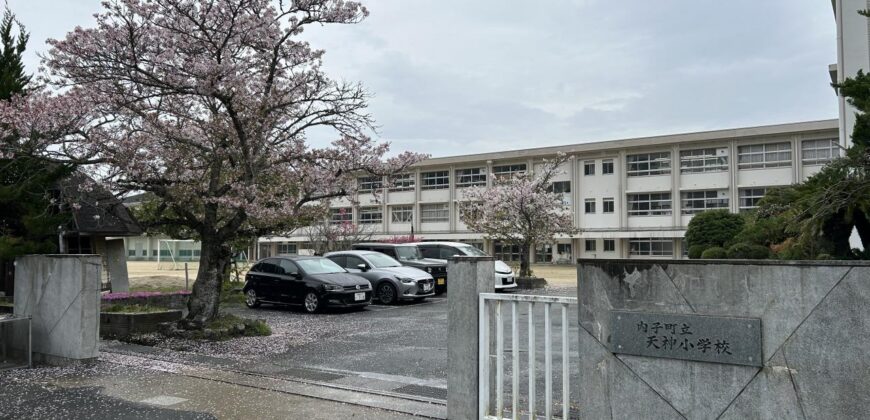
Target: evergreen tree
{"points": [[13, 79], [29, 206]]}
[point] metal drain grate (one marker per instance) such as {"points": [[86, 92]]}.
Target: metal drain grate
{"points": [[314, 375], [423, 391]]}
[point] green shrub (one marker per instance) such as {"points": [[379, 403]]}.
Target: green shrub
{"points": [[824, 257], [713, 228], [695, 251], [715, 253], [746, 251]]}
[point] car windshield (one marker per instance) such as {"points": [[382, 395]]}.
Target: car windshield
{"points": [[379, 260], [472, 251], [319, 266], [408, 253]]}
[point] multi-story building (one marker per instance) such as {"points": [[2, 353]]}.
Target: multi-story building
{"points": [[630, 198], [853, 54]]}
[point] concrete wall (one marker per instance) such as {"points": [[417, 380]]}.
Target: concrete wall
{"points": [[815, 335], [62, 294]]}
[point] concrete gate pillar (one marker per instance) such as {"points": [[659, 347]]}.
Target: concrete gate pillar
{"points": [[62, 294], [468, 277]]}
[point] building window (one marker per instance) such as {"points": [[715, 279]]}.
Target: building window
{"points": [[437, 180], [646, 164], [590, 245], [770, 155], [544, 253], [402, 182], [286, 248], [131, 252], [589, 205], [506, 252], [749, 198], [402, 214], [508, 171], [655, 204], [470, 177], [560, 187], [589, 167], [819, 152], [564, 250], [607, 167], [434, 213], [651, 247], [702, 160], [608, 204], [609, 245], [368, 184], [370, 215], [698, 201], [341, 215]]}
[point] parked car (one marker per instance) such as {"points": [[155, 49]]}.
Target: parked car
{"points": [[313, 282], [390, 280], [504, 275], [409, 255]]}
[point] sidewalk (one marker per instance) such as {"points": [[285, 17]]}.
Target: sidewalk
{"points": [[108, 389]]}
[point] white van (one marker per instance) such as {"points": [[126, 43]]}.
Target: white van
{"points": [[504, 276]]}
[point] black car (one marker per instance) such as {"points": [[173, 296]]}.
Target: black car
{"points": [[313, 282], [409, 255]]}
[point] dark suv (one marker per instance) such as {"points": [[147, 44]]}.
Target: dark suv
{"points": [[409, 255]]}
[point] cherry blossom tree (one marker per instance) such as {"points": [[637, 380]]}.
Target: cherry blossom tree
{"points": [[205, 104], [520, 210], [328, 236]]}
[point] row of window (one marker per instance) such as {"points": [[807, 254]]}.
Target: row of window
{"points": [[165, 253], [767, 155], [429, 213], [642, 204]]}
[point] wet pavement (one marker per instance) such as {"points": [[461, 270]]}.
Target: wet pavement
{"points": [[383, 357], [108, 390]]}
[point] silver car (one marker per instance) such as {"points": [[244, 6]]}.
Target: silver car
{"points": [[390, 280]]}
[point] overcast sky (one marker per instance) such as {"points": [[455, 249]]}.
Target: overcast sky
{"points": [[457, 76]]}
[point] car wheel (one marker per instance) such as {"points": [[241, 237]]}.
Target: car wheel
{"points": [[251, 299], [386, 293], [311, 302]]}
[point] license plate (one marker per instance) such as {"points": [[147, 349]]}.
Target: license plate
{"points": [[359, 296], [508, 280], [441, 282], [427, 287]]}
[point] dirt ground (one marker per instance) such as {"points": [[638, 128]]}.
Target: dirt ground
{"points": [[147, 276]]}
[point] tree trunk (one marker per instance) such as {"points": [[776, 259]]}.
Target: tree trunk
{"points": [[214, 261], [525, 269]]}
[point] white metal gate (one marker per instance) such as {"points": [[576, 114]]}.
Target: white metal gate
{"points": [[514, 302]]}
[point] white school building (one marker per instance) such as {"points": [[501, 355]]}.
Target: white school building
{"points": [[630, 198]]}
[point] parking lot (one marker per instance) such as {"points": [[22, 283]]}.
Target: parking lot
{"points": [[399, 349]]}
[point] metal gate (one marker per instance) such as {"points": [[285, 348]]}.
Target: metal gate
{"points": [[494, 305]]}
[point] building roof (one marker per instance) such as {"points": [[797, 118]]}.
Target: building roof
{"points": [[670, 139], [97, 211]]}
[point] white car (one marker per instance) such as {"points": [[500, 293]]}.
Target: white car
{"points": [[504, 276]]}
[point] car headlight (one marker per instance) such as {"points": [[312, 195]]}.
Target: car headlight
{"points": [[406, 280], [332, 288]]}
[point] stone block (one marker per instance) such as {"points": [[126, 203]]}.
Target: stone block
{"points": [[815, 320], [62, 294]]}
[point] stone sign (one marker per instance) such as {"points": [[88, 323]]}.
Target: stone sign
{"points": [[702, 338]]}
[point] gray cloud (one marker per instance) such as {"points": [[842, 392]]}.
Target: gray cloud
{"points": [[453, 76]]}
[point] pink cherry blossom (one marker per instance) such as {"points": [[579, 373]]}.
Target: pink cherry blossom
{"points": [[206, 105]]}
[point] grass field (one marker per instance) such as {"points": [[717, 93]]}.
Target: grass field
{"points": [[146, 276]]}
